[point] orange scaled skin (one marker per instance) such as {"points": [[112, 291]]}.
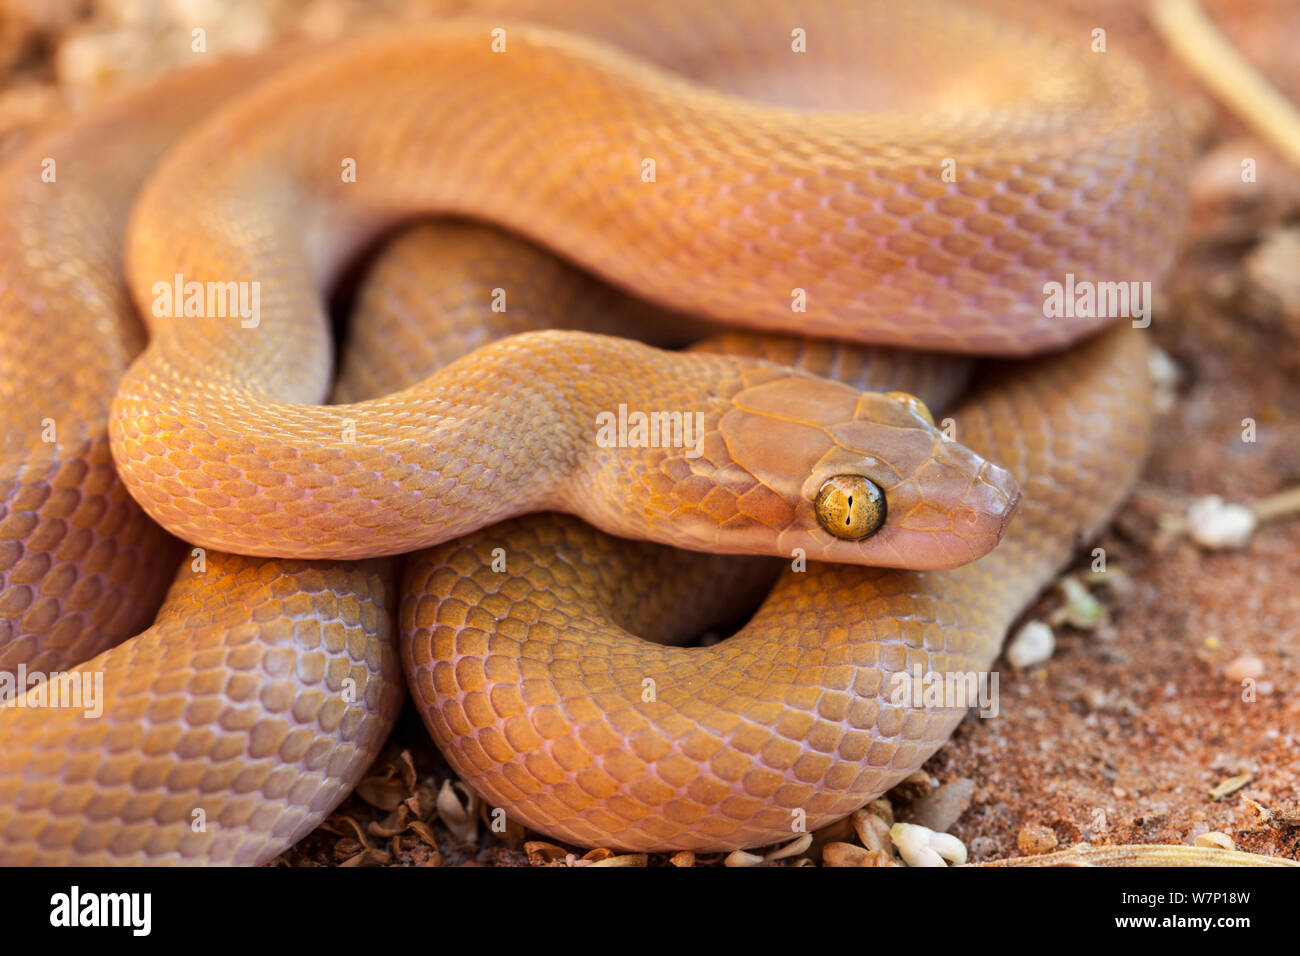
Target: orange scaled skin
{"points": [[753, 209], [540, 652], [234, 724], [215, 431]]}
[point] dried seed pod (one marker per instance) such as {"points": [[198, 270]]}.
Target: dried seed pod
{"points": [[793, 848], [1214, 840], [539, 852], [458, 810], [627, 859], [921, 846], [843, 854], [873, 831]]}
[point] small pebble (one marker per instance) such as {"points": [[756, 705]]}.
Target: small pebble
{"points": [[1245, 667], [1034, 840], [1270, 270], [943, 807], [1215, 177], [1216, 524], [1032, 644], [1165, 376], [1095, 698]]}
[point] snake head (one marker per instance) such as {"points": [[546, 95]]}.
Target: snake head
{"points": [[862, 477]]}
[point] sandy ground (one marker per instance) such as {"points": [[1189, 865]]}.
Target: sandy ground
{"points": [[1189, 680]]}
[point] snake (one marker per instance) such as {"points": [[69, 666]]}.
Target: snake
{"points": [[817, 221]]}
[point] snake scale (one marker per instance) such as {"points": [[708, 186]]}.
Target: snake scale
{"points": [[830, 179]]}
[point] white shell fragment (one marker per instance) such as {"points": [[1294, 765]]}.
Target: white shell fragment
{"points": [[1214, 840], [1032, 644], [1217, 524], [921, 846], [1165, 377]]}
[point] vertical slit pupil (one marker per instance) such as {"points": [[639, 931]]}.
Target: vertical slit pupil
{"points": [[848, 514]]}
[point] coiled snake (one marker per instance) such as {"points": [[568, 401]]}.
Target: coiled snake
{"points": [[901, 176]]}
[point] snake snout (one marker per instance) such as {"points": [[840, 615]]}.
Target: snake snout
{"points": [[945, 505], [857, 477], [967, 504], [986, 508]]}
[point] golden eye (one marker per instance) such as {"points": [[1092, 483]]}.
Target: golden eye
{"points": [[915, 404], [850, 507]]}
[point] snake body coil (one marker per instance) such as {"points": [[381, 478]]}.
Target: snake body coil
{"points": [[909, 178]]}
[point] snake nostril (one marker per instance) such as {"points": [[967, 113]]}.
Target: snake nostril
{"points": [[850, 507]]}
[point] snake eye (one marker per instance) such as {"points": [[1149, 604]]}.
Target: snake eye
{"points": [[850, 507], [910, 401]]}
